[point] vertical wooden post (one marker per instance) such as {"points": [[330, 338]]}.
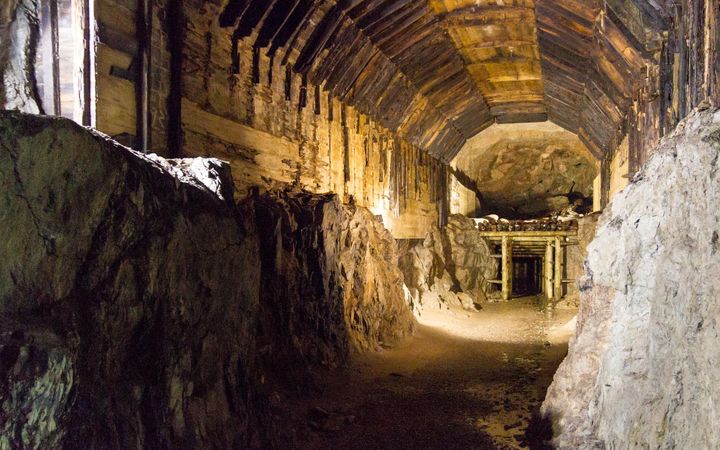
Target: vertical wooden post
{"points": [[549, 269], [605, 182], [88, 64], [176, 42], [143, 26], [558, 268], [506, 268]]}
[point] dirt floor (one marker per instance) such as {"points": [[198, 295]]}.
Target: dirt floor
{"points": [[466, 380]]}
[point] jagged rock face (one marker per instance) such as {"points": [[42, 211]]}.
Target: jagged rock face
{"points": [[141, 286], [132, 289], [527, 170], [576, 255], [641, 370], [449, 267], [330, 266]]}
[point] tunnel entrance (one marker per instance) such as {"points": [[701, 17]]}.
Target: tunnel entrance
{"points": [[527, 276], [532, 262]]}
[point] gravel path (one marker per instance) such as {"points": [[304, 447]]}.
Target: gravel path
{"points": [[464, 381]]}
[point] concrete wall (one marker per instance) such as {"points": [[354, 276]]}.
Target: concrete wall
{"points": [[462, 200], [619, 169]]}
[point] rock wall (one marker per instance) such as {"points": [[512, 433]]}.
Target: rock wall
{"points": [[641, 371], [330, 281], [449, 267], [129, 287], [526, 170], [576, 255], [134, 294]]}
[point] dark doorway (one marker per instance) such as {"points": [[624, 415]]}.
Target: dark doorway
{"points": [[527, 275]]}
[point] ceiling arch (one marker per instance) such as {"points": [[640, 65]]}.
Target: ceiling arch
{"points": [[438, 72]]}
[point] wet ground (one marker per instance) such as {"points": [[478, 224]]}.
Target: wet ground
{"points": [[466, 380]]}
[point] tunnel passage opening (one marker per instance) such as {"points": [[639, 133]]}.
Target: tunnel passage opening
{"points": [[526, 276], [532, 262]]}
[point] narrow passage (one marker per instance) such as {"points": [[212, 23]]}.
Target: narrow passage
{"points": [[466, 380]]}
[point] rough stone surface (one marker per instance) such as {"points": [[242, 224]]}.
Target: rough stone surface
{"points": [[18, 32], [143, 286], [330, 281], [132, 289], [37, 372], [641, 371], [449, 267], [527, 170]]}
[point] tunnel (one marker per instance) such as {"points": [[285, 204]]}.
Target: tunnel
{"points": [[359, 224], [527, 275]]}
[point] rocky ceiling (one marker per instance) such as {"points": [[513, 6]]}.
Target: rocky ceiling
{"points": [[438, 72], [527, 170]]}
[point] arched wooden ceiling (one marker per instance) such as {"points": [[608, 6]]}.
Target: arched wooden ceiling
{"points": [[438, 72]]}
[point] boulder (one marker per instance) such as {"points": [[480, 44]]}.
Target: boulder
{"points": [[330, 280], [642, 371], [451, 260]]}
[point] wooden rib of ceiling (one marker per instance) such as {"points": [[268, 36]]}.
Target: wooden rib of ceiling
{"points": [[439, 71], [594, 57], [389, 58], [498, 40]]}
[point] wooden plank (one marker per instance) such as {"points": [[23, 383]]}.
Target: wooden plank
{"points": [[548, 271], [506, 268], [558, 275], [527, 234]]}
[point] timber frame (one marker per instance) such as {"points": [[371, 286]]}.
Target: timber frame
{"points": [[548, 245]]}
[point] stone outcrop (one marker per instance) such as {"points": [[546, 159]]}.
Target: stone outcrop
{"points": [[641, 371], [132, 289], [576, 255], [449, 267], [330, 281], [128, 294]]}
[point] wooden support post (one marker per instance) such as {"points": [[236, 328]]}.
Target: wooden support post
{"points": [[549, 270], [143, 26], [506, 268], [558, 268]]}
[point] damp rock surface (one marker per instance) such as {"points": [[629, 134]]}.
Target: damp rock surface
{"points": [[641, 370]]}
